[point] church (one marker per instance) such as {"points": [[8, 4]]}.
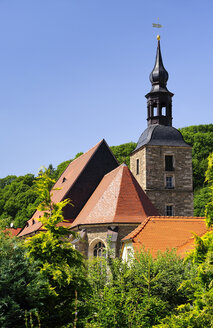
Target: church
{"points": [[150, 204]]}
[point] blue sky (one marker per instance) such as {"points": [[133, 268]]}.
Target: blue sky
{"points": [[75, 71]]}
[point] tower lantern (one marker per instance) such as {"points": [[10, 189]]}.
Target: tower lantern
{"points": [[159, 99]]}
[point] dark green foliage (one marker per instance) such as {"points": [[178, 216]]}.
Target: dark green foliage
{"points": [[136, 295], [18, 200], [202, 196], [123, 152], [200, 137], [21, 286]]}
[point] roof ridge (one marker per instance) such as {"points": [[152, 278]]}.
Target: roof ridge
{"points": [[76, 159], [94, 148]]}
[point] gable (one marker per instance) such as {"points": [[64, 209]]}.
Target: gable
{"points": [[78, 182]]}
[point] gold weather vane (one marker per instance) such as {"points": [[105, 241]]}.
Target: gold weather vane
{"points": [[158, 26]]}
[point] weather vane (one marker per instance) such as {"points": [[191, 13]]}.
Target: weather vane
{"points": [[158, 26]]}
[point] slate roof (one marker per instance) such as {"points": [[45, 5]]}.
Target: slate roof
{"points": [[78, 182], [117, 199], [159, 233], [161, 135]]}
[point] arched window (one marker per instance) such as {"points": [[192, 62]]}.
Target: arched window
{"points": [[99, 250]]}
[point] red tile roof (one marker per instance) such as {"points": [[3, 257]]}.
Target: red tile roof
{"points": [[12, 231], [158, 233], [70, 175], [117, 199], [64, 183]]}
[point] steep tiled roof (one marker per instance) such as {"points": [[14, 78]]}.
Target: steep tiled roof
{"points": [[117, 199], [162, 233], [77, 182], [70, 175]]}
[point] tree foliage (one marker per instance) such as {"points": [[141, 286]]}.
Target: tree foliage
{"points": [[136, 295], [22, 288], [122, 152], [200, 137], [198, 310], [57, 261], [18, 200]]}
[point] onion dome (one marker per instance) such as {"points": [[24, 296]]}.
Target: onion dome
{"points": [[159, 75]]}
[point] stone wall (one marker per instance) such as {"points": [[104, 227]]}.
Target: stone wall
{"points": [[152, 177], [96, 233]]}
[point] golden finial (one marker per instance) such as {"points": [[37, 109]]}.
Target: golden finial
{"points": [[158, 26]]}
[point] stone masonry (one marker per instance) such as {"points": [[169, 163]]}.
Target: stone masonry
{"points": [[96, 233], [152, 177]]}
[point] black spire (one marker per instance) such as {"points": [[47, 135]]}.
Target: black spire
{"points": [[159, 99]]}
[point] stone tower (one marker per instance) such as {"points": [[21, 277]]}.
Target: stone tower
{"points": [[162, 160]]}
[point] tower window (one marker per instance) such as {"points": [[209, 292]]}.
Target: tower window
{"points": [[99, 249], [169, 182], [164, 111], [169, 210], [169, 163], [137, 166]]}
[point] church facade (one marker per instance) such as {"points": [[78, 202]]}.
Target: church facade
{"points": [[111, 200]]}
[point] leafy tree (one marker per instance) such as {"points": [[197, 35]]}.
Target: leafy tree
{"points": [[198, 311], [209, 179], [201, 198], [200, 137], [138, 295], [21, 286], [18, 200], [57, 261], [122, 152]]}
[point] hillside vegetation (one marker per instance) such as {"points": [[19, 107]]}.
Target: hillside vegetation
{"points": [[18, 199]]}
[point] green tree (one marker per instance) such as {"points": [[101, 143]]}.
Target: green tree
{"points": [[139, 295], [200, 137], [122, 152], [21, 285], [18, 200], [57, 261], [198, 311]]}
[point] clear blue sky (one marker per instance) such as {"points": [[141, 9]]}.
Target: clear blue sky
{"points": [[75, 71]]}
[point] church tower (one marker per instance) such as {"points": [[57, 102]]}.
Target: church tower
{"points": [[162, 160]]}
